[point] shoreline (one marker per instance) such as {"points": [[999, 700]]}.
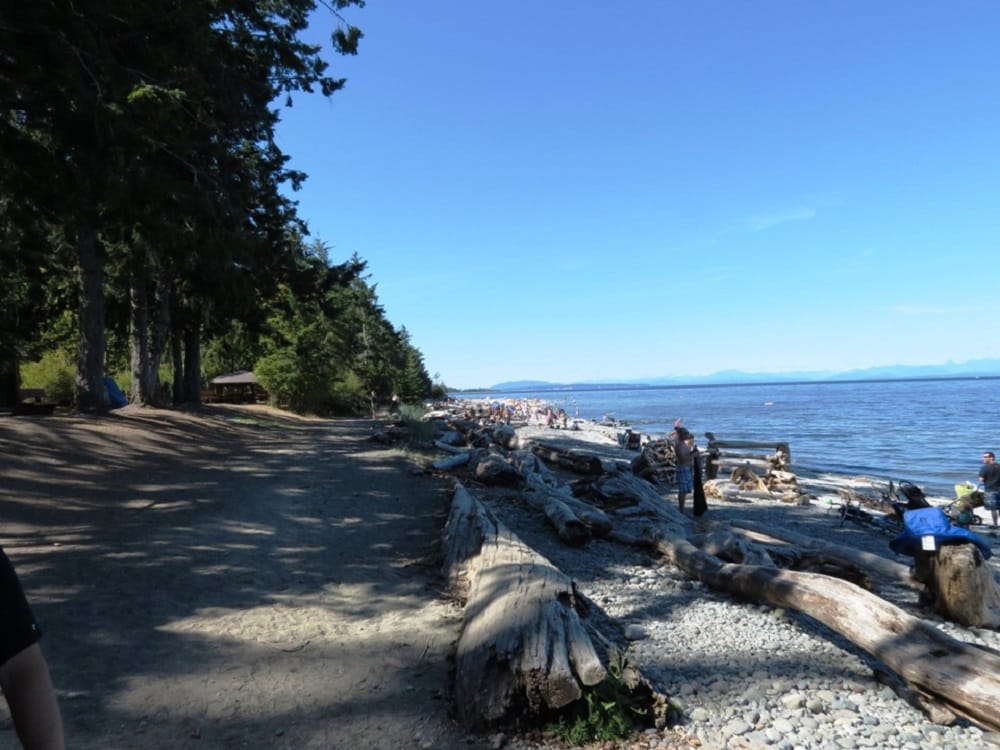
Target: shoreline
{"points": [[818, 482], [744, 673]]}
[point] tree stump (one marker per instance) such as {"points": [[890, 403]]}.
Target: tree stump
{"points": [[960, 585]]}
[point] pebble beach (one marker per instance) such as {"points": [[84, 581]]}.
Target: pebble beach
{"points": [[745, 675]]}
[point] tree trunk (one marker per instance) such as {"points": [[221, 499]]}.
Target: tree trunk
{"points": [[10, 380], [960, 584], [159, 335], [192, 365], [177, 354], [574, 520], [522, 643], [141, 394], [91, 394]]}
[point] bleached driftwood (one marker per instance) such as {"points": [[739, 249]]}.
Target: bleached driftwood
{"points": [[958, 675], [577, 462], [522, 642], [564, 511], [882, 567], [960, 584], [452, 461], [449, 448]]}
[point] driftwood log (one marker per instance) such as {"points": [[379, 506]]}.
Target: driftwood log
{"points": [[958, 675], [960, 585], [882, 568], [519, 608], [523, 645], [563, 510], [576, 462], [945, 672]]}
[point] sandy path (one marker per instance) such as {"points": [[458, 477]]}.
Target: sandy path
{"points": [[231, 578]]}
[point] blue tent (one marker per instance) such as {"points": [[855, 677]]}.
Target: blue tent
{"points": [[115, 395]]}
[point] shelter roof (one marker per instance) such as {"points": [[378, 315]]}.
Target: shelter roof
{"points": [[240, 377]]}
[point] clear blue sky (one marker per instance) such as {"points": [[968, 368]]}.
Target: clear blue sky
{"points": [[573, 191]]}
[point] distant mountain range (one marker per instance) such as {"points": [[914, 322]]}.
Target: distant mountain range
{"points": [[971, 369]]}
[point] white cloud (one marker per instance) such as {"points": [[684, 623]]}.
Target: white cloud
{"points": [[767, 221]]}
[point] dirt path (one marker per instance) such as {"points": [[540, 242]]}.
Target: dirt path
{"points": [[231, 578]]}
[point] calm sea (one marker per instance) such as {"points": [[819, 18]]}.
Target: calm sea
{"points": [[930, 432]]}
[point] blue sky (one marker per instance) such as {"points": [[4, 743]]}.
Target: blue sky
{"points": [[573, 191]]}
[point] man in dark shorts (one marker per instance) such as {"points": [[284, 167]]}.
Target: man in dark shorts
{"points": [[24, 673], [989, 477]]}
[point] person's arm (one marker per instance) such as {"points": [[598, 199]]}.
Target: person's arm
{"points": [[32, 699]]}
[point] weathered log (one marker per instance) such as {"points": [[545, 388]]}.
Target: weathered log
{"points": [[884, 568], [957, 674], [852, 496], [934, 710], [725, 466], [961, 585], [494, 469], [452, 461], [505, 436], [522, 643], [575, 462], [449, 448], [549, 490], [747, 480], [721, 445]]}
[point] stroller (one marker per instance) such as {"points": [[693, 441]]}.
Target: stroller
{"points": [[961, 511]]}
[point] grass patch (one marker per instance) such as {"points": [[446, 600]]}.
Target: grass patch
{"points": [[419, 434], [608, 711]]}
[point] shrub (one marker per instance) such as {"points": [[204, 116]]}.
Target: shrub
{"points": [[609, 710], [55, 373]]}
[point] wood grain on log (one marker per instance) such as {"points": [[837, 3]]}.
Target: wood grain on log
{"points": [[576, 462], [522, 642], [954, 673]]}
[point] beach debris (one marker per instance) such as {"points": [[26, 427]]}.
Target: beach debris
{"points": [[826, 582]]}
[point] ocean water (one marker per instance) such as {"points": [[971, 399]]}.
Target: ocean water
{"points": [[930, 432]]}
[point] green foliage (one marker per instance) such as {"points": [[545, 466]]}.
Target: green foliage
{"points": [[54, 372], [159, 178], [608, 711], [278, 373], [421, 433]]}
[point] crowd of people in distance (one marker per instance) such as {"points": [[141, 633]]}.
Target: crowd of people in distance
{"points": [[525, 411]]}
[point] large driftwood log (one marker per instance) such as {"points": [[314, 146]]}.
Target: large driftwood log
{"points": [[452, 461], [960, 584], [883, 568], [957, 674], [542, 486], [576, 462], [557, 502], [522, 645]]}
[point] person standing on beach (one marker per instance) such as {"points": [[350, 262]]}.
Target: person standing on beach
{"points": [[989, 477], [24, 673], [684, 450]]}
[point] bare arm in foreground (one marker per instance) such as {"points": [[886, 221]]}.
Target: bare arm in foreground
{"points": [[28, 689]]}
